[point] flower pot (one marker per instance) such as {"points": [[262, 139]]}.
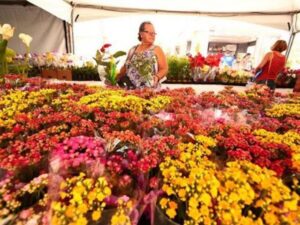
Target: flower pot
{"points": [[161, 218]]}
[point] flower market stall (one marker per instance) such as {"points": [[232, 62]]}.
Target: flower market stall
{"points": [[74, 154]]}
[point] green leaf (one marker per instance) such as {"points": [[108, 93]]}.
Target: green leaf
{"points": [[119, 54], [104, 63], [3, 45]]}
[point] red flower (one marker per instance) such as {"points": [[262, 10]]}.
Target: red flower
{"points": [[105, 46], [213, 60], [197, 61]]}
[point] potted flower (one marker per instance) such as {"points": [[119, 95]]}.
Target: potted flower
{"points": [[55, 66], [198, 190], [107, 64], [6, 32]]}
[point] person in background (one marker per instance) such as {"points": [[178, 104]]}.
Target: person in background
{"points": [[246, 63], [228, 58], [148, 52], [271, 65]]}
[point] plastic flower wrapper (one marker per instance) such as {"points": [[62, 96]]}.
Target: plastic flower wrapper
{"points": [[81, 199], [108, 63]]}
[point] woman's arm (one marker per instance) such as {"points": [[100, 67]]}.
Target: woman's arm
{"points": [[264, 61], [162, 63], [122, 72]]}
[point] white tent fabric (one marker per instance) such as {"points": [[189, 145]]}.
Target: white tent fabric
{"points": [[59, 8], [201, 5], [274, 13]]}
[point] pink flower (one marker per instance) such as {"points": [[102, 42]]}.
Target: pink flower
{"points": [[25, 213], [154, 182]]}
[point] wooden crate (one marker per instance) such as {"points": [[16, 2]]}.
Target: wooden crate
{"points": [[49, 74], [64, 74]]}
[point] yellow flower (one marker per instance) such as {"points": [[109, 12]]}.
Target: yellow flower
{"points": [[227, 218], [182, 193], [100, 196], [163, 203], [167, 189], [70, 211], [193, 202], [291, 205], [206, 199], [171, 213], [271, 218], [96, 215], [107, 191], [81, 221], [194, 213], [82, 208], [173, 205], [92, 195]]}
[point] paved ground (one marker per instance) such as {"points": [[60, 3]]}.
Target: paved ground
{"points": [[197, 87]]}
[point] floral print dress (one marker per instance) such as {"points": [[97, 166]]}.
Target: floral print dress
{"points": [[141, 67]]}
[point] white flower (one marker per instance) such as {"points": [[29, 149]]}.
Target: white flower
{"points": [[26, 39], [293, 75], [6, 31]]}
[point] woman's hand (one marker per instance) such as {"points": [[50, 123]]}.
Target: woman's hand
{"points": [[155, 81]]}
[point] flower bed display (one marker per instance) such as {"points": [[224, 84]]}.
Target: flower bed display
{"points": [[74, 154]]}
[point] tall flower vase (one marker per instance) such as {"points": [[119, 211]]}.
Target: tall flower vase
{"points": [[102, 73]]}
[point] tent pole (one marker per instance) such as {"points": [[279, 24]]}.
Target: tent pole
{"points": [[292, 35], [290, 44], [72, 30], [67, 37]]}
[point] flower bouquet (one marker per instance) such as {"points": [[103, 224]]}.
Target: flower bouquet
{"points": [[107, 64]]}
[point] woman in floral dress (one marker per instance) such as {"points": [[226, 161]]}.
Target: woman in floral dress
{"points": [[146, 63]]}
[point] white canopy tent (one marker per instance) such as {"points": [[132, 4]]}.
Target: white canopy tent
{"points": [[275, 13], [279, 14]]}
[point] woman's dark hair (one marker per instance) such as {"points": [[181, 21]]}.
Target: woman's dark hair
{"points": [[142, 28], [279, 46]]}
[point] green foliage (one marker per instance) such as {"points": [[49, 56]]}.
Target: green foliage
{"points": [[179, 68], [85, 73]]}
